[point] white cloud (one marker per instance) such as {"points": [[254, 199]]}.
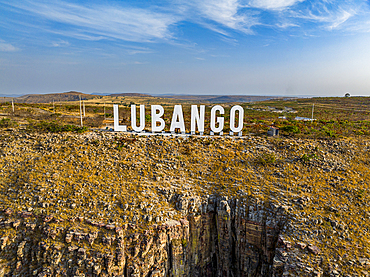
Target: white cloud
{"points": [[121, 22], [285, 25], [227, 13], [273, 4], [231, 41], [332, 19], [326, 15], [134, 52], [224, 12], [340, 19], [102, 21], [7, 47], [75, 34], [364, 27], [60, 43]]}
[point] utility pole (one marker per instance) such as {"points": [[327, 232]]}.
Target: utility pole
{"points": [[83, 103], [313, 105], [81, 112], [13, 105]]}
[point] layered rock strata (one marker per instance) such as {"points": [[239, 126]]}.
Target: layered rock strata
{"points": [[74, 190], [235, 237]]}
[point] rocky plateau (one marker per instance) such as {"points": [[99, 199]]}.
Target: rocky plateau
{"points": [[113, 204]]}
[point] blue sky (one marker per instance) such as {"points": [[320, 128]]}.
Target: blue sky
{"points": [[250, 47]]}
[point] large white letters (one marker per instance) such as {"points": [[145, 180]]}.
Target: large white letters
{"points": [[232, 118], [133, 118], [117, 127], [177, 122], [157, 117], [197, 119], [220, 120], [177, 119]]}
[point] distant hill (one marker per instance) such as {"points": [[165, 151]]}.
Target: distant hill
{"points": [[239, 98], [100, 94], [222, 98], [4, 99], [49, 98], [75, 96], [129, 94], [12, 95]]}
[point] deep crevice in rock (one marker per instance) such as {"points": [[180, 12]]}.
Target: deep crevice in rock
{"points": [[228, 238]]}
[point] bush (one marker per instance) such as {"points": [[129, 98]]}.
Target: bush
{"points": [[123, 142], [328, 132], [6, 123], [291, 129], [266, 158], [54, 127], [307, 158]]}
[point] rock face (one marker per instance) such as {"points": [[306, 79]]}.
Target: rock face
{"points": [[225, 237], [111, 205]]}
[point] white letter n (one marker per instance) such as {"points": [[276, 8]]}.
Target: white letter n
{"points": [[197, 119]]}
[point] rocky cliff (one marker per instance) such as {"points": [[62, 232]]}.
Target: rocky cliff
{"points": [[216, 237], [106, 204]]}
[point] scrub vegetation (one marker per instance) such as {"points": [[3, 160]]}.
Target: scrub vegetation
{"points": [[317, 171], [334, 117]]}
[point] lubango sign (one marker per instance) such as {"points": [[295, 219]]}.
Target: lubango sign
{"points": [[177, 122]]}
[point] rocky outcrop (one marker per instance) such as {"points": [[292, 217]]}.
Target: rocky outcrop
{"points": [[218, 237], [188, 206]]}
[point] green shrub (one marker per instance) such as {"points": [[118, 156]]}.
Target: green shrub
{"points": [[266, 158], [291, 129], [184, 243], [328, 132], [307, 158], [6, 123], [54, 127]]}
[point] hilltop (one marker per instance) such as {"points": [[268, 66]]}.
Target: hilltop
{"points": [[130, 94], [48, 98], [75, 96], [222, 98], [79, 200], [57, 97], [313, 192]]}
